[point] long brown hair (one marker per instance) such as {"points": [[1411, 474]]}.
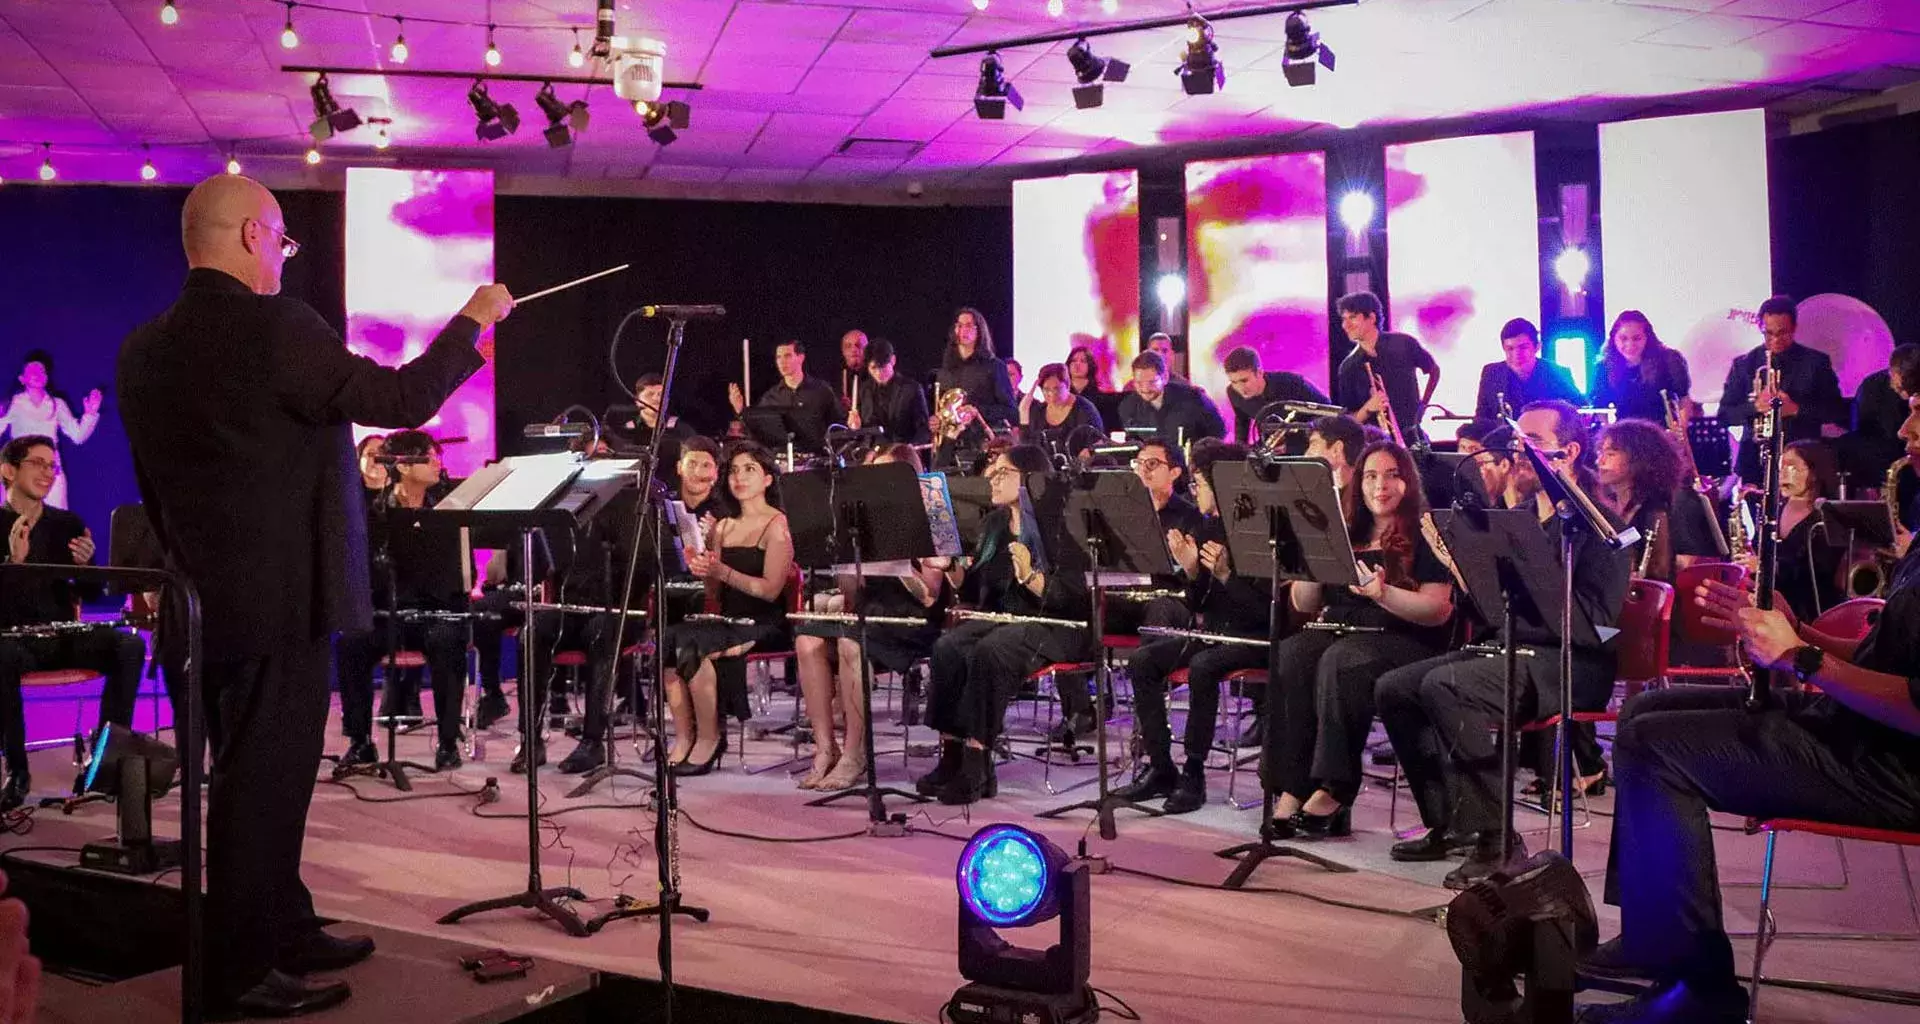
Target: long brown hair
{"points": [[1653, 361], [1395, 534]]}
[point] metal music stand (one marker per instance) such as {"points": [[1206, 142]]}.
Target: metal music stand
{"points": [[833, 513], [1283, 521], [624, 508], [1110, 517]]}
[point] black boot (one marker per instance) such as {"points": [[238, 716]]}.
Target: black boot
{"points": [[974, 780], [359, 751], [1191, 794], [14, 793], [590, 754], [935, 780], [447, 756]]}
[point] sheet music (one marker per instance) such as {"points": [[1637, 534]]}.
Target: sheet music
{"points": [[692, 541], [531, 482]]}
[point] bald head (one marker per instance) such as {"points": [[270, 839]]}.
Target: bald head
{"points": [[234, 225]]}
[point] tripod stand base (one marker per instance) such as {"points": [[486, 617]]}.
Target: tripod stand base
{"points": [[875, 797], [393, 771], [1103, 812], [532, 899], [602, 774], [1252, 855], [634, 908]]}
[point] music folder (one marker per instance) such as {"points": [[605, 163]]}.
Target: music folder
{"points": [[1284, 517]]}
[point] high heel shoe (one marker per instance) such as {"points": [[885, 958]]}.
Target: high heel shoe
{"points": [[1337, 825], [824, 761], [687, 768]]}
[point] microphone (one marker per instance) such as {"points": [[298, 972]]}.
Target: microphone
{"points": [[401, 460], [683, 312], [556, 430]]}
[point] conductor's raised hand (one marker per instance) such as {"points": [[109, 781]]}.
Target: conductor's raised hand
{"points": [[490, 304]]}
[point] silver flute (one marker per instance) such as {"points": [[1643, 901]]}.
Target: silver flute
{"points": [[1203, 637], [1009, 619], [849, 618]]}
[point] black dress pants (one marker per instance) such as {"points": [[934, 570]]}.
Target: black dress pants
{"points": [[490, 634], [1321, 708], [1208, 665], [1684, 751], [556, 632], [1443, 716], [266, 722], [118, 657], [979, 666], [1124, 618], [359, 653]]}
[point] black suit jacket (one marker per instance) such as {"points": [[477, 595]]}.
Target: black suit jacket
{"points": [[237, 407], [1185, 411]]}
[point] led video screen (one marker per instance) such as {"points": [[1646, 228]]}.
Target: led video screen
{"points": [[1683, 211], [1463, 251], [1076, 269], [418, 244], [1257, 265]]}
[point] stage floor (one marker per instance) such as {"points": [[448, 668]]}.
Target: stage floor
{"points": [[865, 925]]}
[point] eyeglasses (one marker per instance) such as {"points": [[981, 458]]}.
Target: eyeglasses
{"points": [[288, 247], [1149, 465], [42, 464]]}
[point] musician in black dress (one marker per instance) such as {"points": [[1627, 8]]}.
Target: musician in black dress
{"points": [[357, 653], [38, 532], [1811, 553], [1322, 700], [746, 565], [1809, 391], [1635, 367], [1062, 421], [1223, 602], [837, 763], [979, 665], [890, 400], [971, 365]]}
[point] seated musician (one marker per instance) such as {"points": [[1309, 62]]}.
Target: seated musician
{"points": [[636, 435], [1811, 552], [889, 399], [39, 532], [979, 665], [745, 566], [1322, 702], [1521, 378], [1639, 474], [839, 764], [1442, 714], [1173, 409], [416, 485], [373, 475], [1060, 416], [808, 403], [1224, 603], [1848, 754]]}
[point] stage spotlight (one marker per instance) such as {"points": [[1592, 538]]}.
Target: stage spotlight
{"points": [[564, 120], [1571, 267], [662, 119], [329, 119], [1201, 71], [133, 769], [1356, 211], [1171, 289], [1303, 51], [496, 120], [1093, 73], [1010, 877], [991, 96]]}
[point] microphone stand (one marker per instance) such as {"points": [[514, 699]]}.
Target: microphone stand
{"points": [[666, 837]]}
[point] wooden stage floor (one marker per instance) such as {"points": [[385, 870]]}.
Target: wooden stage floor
{"points": [[865, 925]]}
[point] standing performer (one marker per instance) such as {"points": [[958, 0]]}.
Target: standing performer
{"points": [[39, 410], [971, 365], [808, 402], [889, 400], [1809, 391], [853, 364], [228, 380], [1391, 358]]}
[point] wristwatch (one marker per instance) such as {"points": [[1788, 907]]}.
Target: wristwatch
{"points": [[1807, 661]]}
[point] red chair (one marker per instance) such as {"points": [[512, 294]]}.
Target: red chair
{"points": [[1850, 619], [1767, 931], [1693, 628]]}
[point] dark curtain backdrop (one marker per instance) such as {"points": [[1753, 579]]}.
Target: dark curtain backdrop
{"points": [[1846, 217], [810, 272]]}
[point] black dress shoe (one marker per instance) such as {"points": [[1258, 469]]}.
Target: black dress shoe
{"points": [[1612, 960], [446, 757], [359, 751], [316, 952], [519, 765], [1149, 783], [282, 995], [1676, 1002], [1436, 844], [14, 793], [590, 754], [1190, 797], [491, 710], [1484, 861], [1338, 825]]}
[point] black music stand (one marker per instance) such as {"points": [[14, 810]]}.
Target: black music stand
{"points": [[1111, 520], [833, 513], [771, 427], [623, 508], [1283, 521]]}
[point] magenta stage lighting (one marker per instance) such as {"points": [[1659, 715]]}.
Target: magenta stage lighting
{"points": [[1304, 51], [1010, 877]]}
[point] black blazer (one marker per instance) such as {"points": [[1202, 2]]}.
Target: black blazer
{"points": [[237, 407]]}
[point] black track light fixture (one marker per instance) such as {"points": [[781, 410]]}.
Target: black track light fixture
{"points": [[1093, 73], [1304, 52], [329, 118], [496, 120], [1201, 71], [663, 117], [995, 91], [564, 120]]}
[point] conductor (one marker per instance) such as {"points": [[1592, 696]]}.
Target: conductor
{"points": [[237, 403]]}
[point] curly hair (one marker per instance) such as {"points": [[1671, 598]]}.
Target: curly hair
{"points": [[1653, 463]]}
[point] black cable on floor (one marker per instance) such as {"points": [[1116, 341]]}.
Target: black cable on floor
{"points": [[407, 798], [769, 839], [1275, 890], [1120, 1009]]}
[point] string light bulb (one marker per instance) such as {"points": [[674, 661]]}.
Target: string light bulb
{"points": [[147, 171], [47, 173], [578, 58], [399, 51], [1056, 8], [1110, 6], [381, 139], [233, 163], [313, 155], [169, 14], [493, 51], [288, 37], [979, 5]]}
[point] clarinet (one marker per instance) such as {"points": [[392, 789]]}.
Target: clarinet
{"points": [[1759, 681]]}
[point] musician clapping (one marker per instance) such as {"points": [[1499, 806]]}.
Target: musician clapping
{"points": [[1324, 690], [894, 648], [39, 532]]}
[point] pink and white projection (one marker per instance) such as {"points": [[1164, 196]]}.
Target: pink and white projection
{"points": [[1076, 269], [418, 244], [1463, 244], [1683, 213], [1257, 265]]}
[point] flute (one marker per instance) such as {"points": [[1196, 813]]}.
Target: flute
{"points": [[1009, 619], [1205, 638], [849, 618], [578, 609]]}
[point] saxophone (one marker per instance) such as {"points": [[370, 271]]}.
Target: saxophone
{"points": [[1739, 539], [1869, 576]]}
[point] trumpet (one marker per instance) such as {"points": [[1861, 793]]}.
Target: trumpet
{"points": [[1386, 407], [1766, 381]]}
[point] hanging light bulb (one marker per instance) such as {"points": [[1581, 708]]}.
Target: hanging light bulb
{"points": [[288, 37], [578, 58], [1110, 6], [313, 155], [979, 5], [169, 14], [233, 163], [47, 173], [493, 51], [147, 171], [1056, 8], [399, 51]]}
